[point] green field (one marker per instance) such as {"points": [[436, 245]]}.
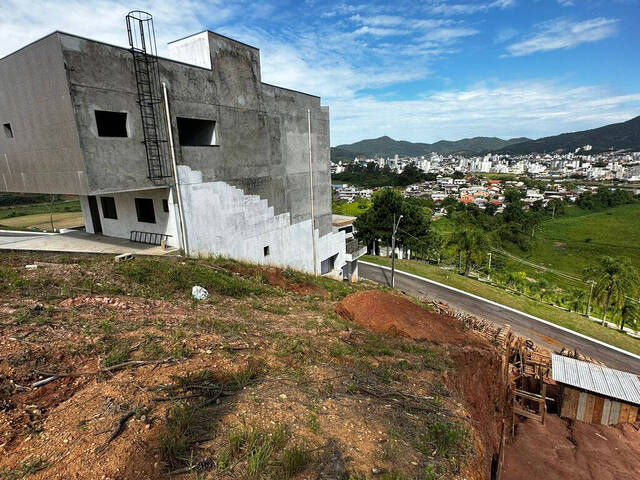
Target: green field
{"points": [[574, 241], [352, 209], [570, 320], [65, 215]]}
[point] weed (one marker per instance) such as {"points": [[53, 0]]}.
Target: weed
{"points": [[26, 468], [313, 423], [294, 460], [270, 307], [116, 351], [185, 424]]}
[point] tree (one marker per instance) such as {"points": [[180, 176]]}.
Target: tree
{"points": [[614, 278], [630, 315], [471, 240], [576, 300], [375, 223]]}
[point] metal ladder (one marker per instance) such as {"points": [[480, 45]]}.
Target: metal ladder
{"points": [[145, 63]]}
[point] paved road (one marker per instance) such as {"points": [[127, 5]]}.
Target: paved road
{"points": [[543, 334]]}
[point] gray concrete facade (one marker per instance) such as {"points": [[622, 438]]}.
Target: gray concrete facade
{"points": [[51, 89]]}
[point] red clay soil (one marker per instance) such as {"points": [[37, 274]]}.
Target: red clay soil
{"points": [[395, 315], [572, 450], [478, 368]]}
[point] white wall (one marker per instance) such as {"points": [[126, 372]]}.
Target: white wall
{"points": [[221, 220], [128, 219]]}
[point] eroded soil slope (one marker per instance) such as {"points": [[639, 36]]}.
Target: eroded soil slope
{"points": [[113, 371], [477, 375]]}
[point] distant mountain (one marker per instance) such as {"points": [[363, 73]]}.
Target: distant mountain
{"points": [[387, 146], [617, 136]]}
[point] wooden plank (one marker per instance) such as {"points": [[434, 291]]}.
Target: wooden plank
{"points": [[624, 413], [582, 405], [598, 405], [633, 414], [528, 414], [570, 403], [606, 410], [614, 414], [588, 409]]}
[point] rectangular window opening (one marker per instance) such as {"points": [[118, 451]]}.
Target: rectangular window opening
{"points": [[8, 131], [111, 124], [266, 251], [144, 209], [109, 207], [194, 132], [165, 205]]}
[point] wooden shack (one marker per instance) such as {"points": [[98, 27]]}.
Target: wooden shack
{"points": [[595, 394]]}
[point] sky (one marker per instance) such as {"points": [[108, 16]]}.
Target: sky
{"points": [[414, 70]]}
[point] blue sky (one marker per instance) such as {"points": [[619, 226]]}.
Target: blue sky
{"points": [[418, 71]]}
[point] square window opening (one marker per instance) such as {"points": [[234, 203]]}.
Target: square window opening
{"points": [[8, 131], [165, 205], [111, 124], [266, 251], [109, 208], [194, 132], [145, 211]]}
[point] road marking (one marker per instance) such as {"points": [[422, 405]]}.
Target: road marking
{"points": [[537, 319]]}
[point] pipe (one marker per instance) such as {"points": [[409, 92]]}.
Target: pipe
{"points": [[313, 217], [183, 234]]}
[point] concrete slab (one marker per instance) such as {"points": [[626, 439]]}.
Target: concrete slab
{"points": [[77, 241]]}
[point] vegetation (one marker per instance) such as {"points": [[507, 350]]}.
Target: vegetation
{"points": [[375, 224], [351, 209], [614, 280], [372, 175]]}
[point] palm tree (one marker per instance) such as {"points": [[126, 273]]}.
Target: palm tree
{"points": [[630, 315], [470, 240], [614, 279], [576, 299]]}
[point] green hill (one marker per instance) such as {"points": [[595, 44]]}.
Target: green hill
{"points": [[387, 146], [617, 136]]}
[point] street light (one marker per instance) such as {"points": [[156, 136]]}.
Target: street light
{"points": [[393, 250]]}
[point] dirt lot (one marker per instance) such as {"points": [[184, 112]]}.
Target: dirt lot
{"points": [[134, 379]]}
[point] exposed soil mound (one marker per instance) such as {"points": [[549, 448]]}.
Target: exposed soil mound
{"points": [[395, 315]]}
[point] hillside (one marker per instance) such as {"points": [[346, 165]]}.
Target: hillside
{"points": [[625, 135], [112, 370], [387, 146]]}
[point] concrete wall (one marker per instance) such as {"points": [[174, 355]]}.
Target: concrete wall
{"points": [[221, 220], [44, 156]]}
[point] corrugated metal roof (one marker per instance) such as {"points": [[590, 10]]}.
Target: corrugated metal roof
{"points": [[595, 378]]}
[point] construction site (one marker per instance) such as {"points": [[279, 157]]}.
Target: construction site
{"points": [[111, 369]]}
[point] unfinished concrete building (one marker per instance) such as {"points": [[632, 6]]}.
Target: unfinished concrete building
{"points": [[229, 174]]}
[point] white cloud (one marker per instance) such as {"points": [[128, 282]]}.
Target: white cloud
{"points": [[566, 3], [446, 8], [562, 33], [532, 109], [23, 22]]}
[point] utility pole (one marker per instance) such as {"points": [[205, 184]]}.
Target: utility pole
{"points": [[589, 301], [489, 274], [393, 250]]}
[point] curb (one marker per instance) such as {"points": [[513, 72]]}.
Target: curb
{"points": [[519, 312]]}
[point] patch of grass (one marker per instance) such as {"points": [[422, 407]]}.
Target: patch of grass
{"points": [[185, 424], [162, 278], [313, 423], [261, 448], [26, 468], [116, 351], [270, 307], [295, 460]]}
